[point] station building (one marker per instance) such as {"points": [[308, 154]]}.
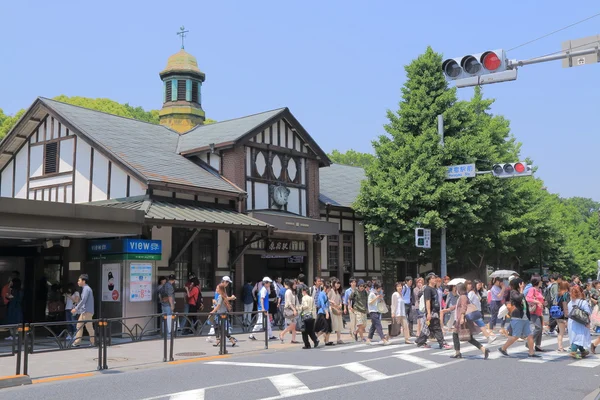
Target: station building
{"points": [[126, 201]]}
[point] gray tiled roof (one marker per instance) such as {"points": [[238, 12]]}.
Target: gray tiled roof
{"points": [[340, 184], [183, 211], [223, 132], [149, 149]]}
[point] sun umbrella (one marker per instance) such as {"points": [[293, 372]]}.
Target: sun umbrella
{"points": [[502, 273], [456, 281]]}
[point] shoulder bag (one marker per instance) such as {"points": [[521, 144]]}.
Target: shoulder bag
{"points": [[382, 307], [578, 314], [464, 334]]}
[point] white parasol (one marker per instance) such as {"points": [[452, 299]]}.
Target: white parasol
{"points": [[502, 273], [456, 281]]}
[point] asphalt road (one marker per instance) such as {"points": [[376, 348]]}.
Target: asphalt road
{"points": [[350, 371]]}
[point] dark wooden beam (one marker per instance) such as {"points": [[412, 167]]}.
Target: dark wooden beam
{"points": [[234, 257]]}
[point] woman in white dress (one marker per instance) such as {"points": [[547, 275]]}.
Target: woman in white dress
{"points": [[335, 308], [579, 334]]}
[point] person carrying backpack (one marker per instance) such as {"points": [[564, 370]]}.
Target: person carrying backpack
{"points": [[550, 299]]}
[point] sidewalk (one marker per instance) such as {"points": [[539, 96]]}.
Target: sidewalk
{"points": [[147, 354]]}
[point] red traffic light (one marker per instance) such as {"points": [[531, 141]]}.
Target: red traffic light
{"points": [[520, 168], [491, 61]]}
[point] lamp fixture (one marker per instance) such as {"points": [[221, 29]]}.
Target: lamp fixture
{"points": [[65, 242], [48, 244]]}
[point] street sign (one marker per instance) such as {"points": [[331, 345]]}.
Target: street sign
{"points": [[581, 44], [460, 171], [423, 238]]}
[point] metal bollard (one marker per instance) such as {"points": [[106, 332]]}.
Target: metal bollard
{"points": [[99, 342], [106, 340], [265, 322], [223, 334], [26, 351], [164, 329], [173, 331], [19, 345]]}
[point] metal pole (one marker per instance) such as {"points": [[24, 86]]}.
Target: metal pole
{"points": [[26, 337], [105, 341], [99, 338], [164, 329], [265, 322], [173, 330], [537, 60], [20, 332], [443, 266]]}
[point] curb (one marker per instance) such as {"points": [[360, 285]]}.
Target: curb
{"points": [[14, 380]]}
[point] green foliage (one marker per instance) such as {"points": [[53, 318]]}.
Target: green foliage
{"points": [[507, 223], [352, 158], [100, 104]]}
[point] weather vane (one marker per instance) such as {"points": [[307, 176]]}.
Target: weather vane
{"points": [[182, 33]]}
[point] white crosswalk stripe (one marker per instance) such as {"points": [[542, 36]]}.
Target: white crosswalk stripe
{"points": [[289, 385], [421, 362], [365, 372], [383, 348]]}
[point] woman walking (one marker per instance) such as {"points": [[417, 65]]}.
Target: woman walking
{"points": [[535, 301], [374, 298], [579, 334], [306, 313], [194, 300], [562, 301], [519, 322], [399, 311], [335, 307], [323, 323], [475, 299], [460, 323], [290, 310], [415, 312], [71, 300], [222, 307]]}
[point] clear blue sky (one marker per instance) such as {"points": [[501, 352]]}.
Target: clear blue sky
{"points": [[338, 65]]}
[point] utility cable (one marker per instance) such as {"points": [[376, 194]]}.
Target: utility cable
{"points": [[556, 31]]}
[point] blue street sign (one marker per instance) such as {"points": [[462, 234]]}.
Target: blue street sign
{"points": [[460, 171], [142, 246]]}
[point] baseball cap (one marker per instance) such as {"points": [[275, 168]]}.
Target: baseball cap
{"points": [[172, 277], [226, 279], [267, 279], [361, 282]]}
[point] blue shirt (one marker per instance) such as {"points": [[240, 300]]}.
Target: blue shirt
{"points": [[282, 295], [264, 295], [86, 304], [406, 294], [322, 303], [347, 294]]}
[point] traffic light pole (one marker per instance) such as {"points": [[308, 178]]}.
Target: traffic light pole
{"points": [[512, 64], [443, 266]]}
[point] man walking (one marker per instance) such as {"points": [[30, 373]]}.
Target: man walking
{"points": [[432, 314], [407, 297], [167, 300], [347, 294], [85, 309], [248, 301], [262, 321]]}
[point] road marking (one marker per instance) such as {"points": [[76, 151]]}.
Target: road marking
{"points": [[554, 355], [418, 360], [344, 347], [365, 372], [587, 363], [62, 378], [197, 359], [410, 351], [265, 365], [289, 385], [197, 394], [382, 348]]}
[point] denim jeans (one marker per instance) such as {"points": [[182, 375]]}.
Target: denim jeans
{"points": [[183, 321], [69, 317], [376, 326], [494, 308]]}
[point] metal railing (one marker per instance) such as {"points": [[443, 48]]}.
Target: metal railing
{"points": [[43, 337]]}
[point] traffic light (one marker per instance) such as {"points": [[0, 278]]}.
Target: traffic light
{"points": [[423, 238], [478, 69], [511, 170]]}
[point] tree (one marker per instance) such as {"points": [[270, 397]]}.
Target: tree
{"points": [[352, 158]]}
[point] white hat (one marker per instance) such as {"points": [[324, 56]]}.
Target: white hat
{"points": [[267, 279], [510, 278], [226, 279]]}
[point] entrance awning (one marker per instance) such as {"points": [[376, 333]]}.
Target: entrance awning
{"points": [[177, 212], [296, 224], [34, 219]]}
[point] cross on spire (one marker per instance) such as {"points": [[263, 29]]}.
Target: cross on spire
{"points": [[182, 33]]}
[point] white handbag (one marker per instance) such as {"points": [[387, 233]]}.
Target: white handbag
{"points": [[503, 311]]}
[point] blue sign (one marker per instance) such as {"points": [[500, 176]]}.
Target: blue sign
{"points": [[125, 246], [142, 246], [460, 171]]}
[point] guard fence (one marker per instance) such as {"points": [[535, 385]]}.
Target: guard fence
{"points": [[51, 337]]}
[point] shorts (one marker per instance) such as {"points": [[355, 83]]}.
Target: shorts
{"points": [[520, 327], [479, 323], [361, 318]]}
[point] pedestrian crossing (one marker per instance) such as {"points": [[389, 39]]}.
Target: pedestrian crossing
{"points": [[518, 351]]}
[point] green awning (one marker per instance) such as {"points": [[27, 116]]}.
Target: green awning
{"points": [[178, 212]]}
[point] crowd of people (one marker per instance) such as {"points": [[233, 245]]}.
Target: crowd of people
{"points": [[428, 308]]}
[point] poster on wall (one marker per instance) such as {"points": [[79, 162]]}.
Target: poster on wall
{"points": [[140, 282], [111, 290]]}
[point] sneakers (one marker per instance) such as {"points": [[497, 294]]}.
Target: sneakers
{"points": [[585, 353], [446, 346], [251, 337], [386, 342], [424, 346], [575, 355]]}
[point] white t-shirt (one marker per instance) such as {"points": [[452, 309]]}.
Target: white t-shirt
{"points": [[474, 299], [400, 311]]}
